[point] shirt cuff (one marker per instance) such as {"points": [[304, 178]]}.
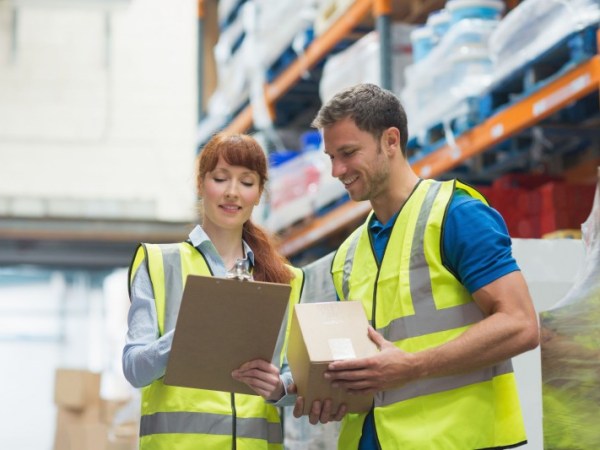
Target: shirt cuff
{"points": [[286, 399]]}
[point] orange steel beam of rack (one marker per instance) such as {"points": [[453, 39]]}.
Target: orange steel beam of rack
{"points": [[313, 54], [572, 86]]}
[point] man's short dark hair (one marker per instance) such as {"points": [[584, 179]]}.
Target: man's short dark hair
{"points": [[372, 108]]}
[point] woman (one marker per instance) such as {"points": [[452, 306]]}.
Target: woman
{"points": [[231, 177]]}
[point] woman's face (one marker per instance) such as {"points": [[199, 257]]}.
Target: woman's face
{"points": [[229, 194]]}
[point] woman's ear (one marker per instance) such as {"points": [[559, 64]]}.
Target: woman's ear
{"points": [[199, 187], [260, 194]]}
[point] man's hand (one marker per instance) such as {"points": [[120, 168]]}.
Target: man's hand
{"points": [[320, 412], [390, 368], [262, 377]]}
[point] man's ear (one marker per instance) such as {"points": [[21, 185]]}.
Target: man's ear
{"points": [[391, 141]]}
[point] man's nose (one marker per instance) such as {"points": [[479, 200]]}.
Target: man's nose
{"points": [[337, 169]]}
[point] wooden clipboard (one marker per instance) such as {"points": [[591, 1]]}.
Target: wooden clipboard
{"points": [[222, 324]]}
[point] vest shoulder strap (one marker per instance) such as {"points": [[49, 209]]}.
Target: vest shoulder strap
{"points": [[139, 256]]}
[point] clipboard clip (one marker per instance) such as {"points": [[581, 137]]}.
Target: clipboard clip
{"points": [[240, 270]]}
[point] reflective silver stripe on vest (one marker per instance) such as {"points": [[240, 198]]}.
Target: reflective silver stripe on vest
{"points": [[173, 283], [207, 423], [441, 384], [348, 264], [428, 319]]}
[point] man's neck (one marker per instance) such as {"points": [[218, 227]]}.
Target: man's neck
{"points": [[392, 200]]}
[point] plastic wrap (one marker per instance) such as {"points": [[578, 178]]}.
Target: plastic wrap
{"points": [[301, 435], [457, 68], [232, 82], [535, 26], [570, 349], [359, 63], [248, 46]]}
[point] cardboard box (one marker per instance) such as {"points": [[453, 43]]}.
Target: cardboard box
{"points": [[68, 419], [89, 436], [321, 333], [76, 389]]}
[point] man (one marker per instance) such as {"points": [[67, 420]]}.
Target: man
{"points": [[434, 270]]}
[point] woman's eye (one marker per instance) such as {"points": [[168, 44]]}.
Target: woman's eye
{"points": [[218, 180], [248, 183]]}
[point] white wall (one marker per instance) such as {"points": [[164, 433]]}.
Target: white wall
{"points": [[98, 109], [551, 267]]}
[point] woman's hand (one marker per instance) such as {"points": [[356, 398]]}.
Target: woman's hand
{"points": [[262, 377]]}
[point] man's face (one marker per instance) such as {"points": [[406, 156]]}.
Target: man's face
{"points": [[357, 160]]}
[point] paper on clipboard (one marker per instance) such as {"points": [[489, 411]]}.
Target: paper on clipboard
{"points": [[223, 323]]}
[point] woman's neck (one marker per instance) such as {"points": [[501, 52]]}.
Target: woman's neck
{"points": [[227, 242]]}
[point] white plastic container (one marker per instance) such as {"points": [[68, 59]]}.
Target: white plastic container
{"points": [[439, 21], [438, 87], [474, 9], [534, 26], [422, 40]]}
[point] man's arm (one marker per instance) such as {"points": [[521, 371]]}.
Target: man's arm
{"points": [[509, 328]]}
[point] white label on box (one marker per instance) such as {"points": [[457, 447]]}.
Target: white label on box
{"points": [[341, 348]]}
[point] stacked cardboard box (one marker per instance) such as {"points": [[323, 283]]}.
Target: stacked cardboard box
{"points": [[83, 419]]}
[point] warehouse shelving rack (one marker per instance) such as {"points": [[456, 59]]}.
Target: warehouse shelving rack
{"points": [[574, 85], [531, 109], [315, 52]]}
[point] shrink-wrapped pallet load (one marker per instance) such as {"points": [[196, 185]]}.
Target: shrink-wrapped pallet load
{"points": [[570, 352]]}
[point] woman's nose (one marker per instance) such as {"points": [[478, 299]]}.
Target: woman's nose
{"points": [[232, 190]]}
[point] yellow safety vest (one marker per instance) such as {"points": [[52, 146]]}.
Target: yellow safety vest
{"points": [[190, 419], [416, 303]]}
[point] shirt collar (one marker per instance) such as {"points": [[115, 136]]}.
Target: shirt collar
{"points": [[200, 240], [376, 226]]}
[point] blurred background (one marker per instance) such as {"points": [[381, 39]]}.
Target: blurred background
{"points": [[105, 105]]}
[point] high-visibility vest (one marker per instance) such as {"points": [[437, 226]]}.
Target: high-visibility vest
{"points": [[185, 418], [417, 303]]}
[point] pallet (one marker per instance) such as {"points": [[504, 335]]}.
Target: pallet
{"points": [[537, 73]]}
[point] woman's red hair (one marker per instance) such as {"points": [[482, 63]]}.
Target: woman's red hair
{"points": [[243, 150]]}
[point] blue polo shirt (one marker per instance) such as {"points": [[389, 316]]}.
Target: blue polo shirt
{"points": [[476, 254]]}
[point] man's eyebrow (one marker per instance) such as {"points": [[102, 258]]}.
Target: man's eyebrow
{"points": [[347, 147]]}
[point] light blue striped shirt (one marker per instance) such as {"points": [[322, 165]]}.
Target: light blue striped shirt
{"points": [[145, 354]]}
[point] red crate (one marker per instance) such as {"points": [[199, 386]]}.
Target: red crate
{"points": [[528, 228], [523, 180], [569, 197], [529, 203]]}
